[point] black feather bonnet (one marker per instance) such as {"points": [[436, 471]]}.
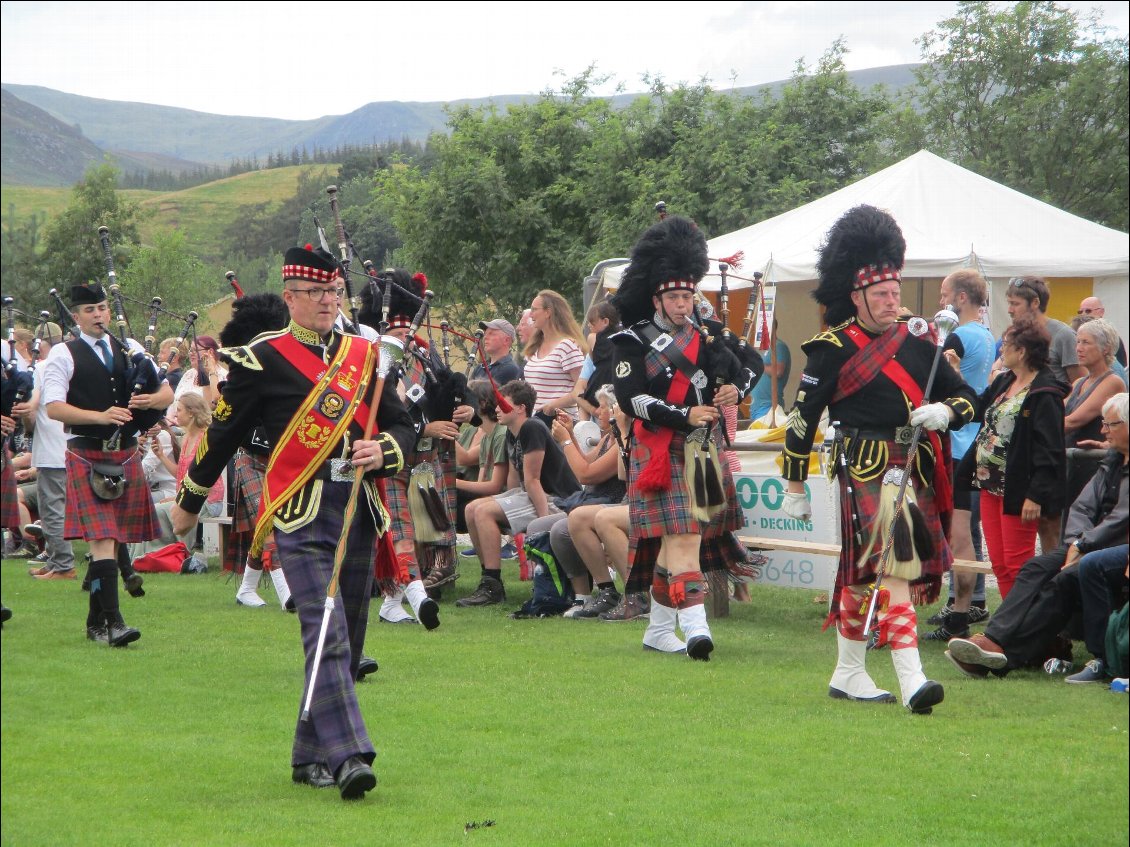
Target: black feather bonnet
{"points": [[670, 255], [407, 294], [252, 315], [863, 248]]}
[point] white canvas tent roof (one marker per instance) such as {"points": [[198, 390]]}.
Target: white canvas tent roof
{"points": [[952, 218]]}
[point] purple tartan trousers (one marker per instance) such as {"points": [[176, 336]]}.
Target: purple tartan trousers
{"points": [[336, 729]]}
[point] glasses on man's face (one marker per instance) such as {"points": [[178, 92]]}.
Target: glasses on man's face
{"points": [[1112, 424], [319, 295], [1086, 311]]}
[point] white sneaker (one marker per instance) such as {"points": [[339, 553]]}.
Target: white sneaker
{"points": [[578, 604]]}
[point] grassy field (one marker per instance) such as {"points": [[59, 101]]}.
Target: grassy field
{"points": [[203, 213], [560, 732]]}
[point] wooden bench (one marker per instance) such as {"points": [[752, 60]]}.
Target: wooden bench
{"points": [[216, 531], [813, 548]]}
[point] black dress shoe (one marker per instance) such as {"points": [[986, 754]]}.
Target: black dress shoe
{"points": [[429, 614], [366, 666], [354, 778], [289, 606], [315, 774], [119, 635], [97, 633], [133, 582]]}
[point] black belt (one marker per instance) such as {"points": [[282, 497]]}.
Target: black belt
{"points": [[86, 442], [897, 434]]}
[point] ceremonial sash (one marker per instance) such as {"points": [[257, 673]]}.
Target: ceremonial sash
{"points": [[320, 423], [876, 355], [656, 475]]}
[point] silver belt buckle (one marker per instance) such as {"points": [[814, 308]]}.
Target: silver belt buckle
{"points": [[904, 434], [341, 470], [698, 435]]}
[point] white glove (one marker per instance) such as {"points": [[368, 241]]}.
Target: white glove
{"points": [[797, 506], [933, 416]]}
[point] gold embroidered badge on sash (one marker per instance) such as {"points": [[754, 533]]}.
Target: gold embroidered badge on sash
{"points": [[347, 381], [332, 404], [222, 411], [312, 436]]}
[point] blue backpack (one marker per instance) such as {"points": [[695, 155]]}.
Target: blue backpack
{"points": [[552, 591]]}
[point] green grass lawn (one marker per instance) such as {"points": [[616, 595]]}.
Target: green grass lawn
{"points": [[558, 731]]}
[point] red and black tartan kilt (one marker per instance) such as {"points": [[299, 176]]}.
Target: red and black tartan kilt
{"points": [[717, 539], [130, 518], [867, 501], [9, 502], [658, 513], [396, 497], [247, 485]]}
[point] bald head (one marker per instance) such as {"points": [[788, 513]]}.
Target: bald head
{"points": [[1092, 306]]}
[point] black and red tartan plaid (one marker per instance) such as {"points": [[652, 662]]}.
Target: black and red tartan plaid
{"points": [[718, 542], [396, 500], [867, 501], [130, 518], [247, 483]]}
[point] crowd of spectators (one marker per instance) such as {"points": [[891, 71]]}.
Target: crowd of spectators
{"points": [[1025, 471]]}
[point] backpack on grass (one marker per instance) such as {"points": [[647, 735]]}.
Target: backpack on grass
{"points": [[552, 591]]}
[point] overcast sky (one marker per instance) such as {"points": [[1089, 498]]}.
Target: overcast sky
{"points": [[305, 60]]}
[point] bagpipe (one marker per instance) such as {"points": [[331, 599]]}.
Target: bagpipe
{"points": [[17, 383], [445, 388], [143, 376]]}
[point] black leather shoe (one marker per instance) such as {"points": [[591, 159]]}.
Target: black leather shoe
{"points": [[354, 778], [289, 606], [927, 697], [119, 635], [366, 666], [133, 582], [97, 633], [429, 614], [315, 774]]}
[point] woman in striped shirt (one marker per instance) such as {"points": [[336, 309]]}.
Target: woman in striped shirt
{"points": [[554, 356]]}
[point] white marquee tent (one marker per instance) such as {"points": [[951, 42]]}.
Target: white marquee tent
{"points": [[951, 218]]}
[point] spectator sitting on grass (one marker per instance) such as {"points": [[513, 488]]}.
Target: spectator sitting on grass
{"points": [[1087, 573], [538, 472]]}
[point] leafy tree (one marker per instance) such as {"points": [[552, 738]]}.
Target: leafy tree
{"points": [[72, 252], [19, 265], [1029, 95], [166, 269]]}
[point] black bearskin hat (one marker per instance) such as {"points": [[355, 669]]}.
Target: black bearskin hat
{"points": [[407, 294], [252, 315], [864, 247], [670, 255]]}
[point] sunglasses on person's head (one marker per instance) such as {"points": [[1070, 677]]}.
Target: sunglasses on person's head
{"points": [[1018, 282]]}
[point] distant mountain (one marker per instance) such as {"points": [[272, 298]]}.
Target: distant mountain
{"points": [[38, 149], [189, 137]]}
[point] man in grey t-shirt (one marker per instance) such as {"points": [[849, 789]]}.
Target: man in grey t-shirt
{"points": [[1028, 297]]}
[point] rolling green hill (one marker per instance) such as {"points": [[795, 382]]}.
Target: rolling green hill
{"points": [[202, 213]]}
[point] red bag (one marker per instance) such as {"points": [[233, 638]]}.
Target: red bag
{"points": [[166, 560]]}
